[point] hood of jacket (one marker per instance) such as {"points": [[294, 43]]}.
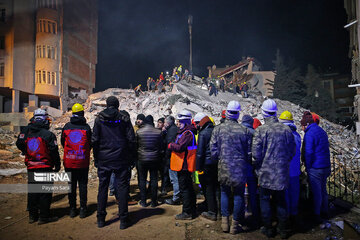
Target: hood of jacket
{"points": [[78, 120], [291, 125], [113, 114], [37, 126]]}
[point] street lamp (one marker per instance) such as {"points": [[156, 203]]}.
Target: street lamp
{"points": [[190, 21]]}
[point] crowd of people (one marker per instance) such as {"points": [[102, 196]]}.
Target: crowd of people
{"points": [[227, 158]]}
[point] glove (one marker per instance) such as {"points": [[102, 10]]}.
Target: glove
{"points": [[57, 168], [169, 145]]}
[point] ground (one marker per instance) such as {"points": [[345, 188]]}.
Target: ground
{"points": [[148, 223]]}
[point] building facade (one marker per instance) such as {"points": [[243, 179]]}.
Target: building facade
{"points": [[48, 48]]}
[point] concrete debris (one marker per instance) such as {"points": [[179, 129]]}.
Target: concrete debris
{"points": [[12, 171]]}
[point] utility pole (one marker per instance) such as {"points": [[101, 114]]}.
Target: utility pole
{"points": [[190, 21]]}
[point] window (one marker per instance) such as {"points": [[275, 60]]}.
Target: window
{"points": [[48, 78], [39, 76], [2, 69], [43, 80], [3, 15], [2, 42], [48, 52], [53, 79], [53, 51], [46, 4]]}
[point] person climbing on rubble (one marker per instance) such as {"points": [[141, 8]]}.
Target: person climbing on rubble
{"points": [[244, 89], [272, 150], [148, 83], [230, 145], [76, 141], [161, 76], [177, 77], [222, 84], [316, 156], [204, 82], [292, 193], [186, 76], [137, 90], [179, 70], [212, 89], [182, 161], [41, 155], [114, 150]]}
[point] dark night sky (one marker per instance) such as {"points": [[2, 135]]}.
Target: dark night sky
{"points": [[141, 38]]}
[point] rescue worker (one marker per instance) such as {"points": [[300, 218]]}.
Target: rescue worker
{"points": [[316, 156], [170, 132], [272, 150], [137, 90], [149, 149], [113, 141], [41, 155], [183, 162], [251, 179], [76, 141], [139, 123], [230, 145], [212, 89], [180, 70], [316, 118], [148, 83], [222, 84], [292, 193], [245, 88], [161, 77], [206, 165]]}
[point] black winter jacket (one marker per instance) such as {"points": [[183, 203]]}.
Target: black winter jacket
{"points": [[113, 139], [38, 129], [170, 137], [203, 153], [149, 143]]}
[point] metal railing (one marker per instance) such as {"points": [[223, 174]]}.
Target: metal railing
{"points": [[344, 180]]}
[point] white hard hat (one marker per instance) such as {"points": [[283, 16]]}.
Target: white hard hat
{"points": [[183, 115], [199, 116], [269, 105], [39, 112], [233, 106]]}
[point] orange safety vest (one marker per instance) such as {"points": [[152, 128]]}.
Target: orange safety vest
{"points": [[177, 158]]}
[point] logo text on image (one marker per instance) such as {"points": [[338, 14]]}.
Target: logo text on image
{"points": [[51, 177]]}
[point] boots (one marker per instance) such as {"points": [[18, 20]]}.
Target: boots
{"points": [[235, 227], [225, 224]]}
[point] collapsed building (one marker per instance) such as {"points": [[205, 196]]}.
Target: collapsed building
{"points": [[247, 70], [48, 53]]}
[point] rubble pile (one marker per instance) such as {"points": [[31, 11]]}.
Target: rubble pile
{"points": [[193, 97]]}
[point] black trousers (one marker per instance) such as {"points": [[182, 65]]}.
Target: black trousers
{"points": [[164, 174], [210, 185], [39, 202], [78, 176], [144, 168], [187, 192], [122, 186]]}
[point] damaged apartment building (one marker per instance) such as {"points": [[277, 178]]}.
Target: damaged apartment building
{"points": [[48, 52], [247, 70]]}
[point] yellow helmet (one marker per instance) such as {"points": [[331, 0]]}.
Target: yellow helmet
{"points": [[286, 115], [161, 72], [139, 85], [77, 107], [212, 120]]}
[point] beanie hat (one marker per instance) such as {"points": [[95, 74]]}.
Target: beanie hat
{"points": [[316, 118], [149, 120], [112, 102], [247, 121], [307, 119], [140, 117]]}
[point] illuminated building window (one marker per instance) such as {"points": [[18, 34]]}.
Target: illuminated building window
{"points": [[2, 42], [39, 76], [53, 78], [43, 55], [48, 51], [48, 77], [2, 69], [46, 26], [43, 80]]}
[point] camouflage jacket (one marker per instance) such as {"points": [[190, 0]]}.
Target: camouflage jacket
{"points": [[230, 145], [273, 148]]}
